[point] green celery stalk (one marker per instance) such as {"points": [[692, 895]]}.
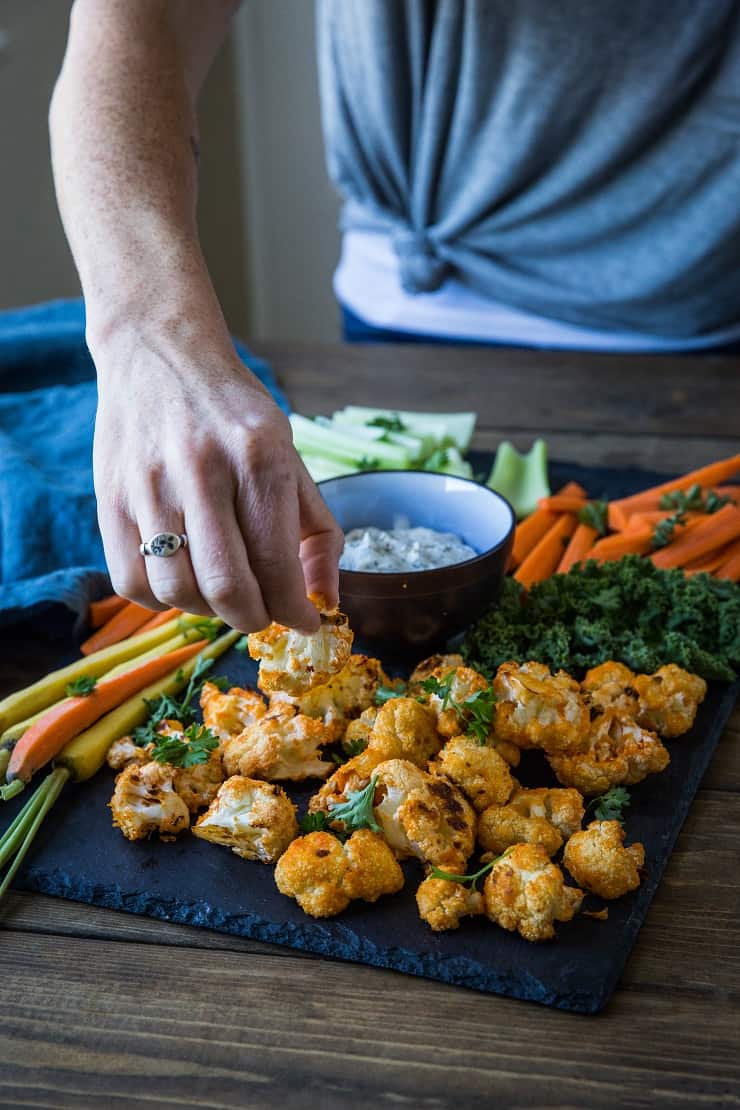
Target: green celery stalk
{"points": [[317, 439], [521, 479], [447, 428]]}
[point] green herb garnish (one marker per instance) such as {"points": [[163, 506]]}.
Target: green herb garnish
{"points": [[595, 514], [438, 873], [693, 500], [478, 709], [166, 708], [81, 687], [664, 529], [390, 423], [357, 811], [387, 693], [315, 822], [194, 747], [611, 805]]}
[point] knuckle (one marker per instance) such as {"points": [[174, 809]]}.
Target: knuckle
{"points": [[220, 588]]}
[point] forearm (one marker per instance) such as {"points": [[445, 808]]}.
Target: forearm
{"points": [[123, 131]]}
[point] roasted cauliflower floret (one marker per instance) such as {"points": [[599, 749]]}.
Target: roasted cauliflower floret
{"points": [[598, 860], [196, 785], [357, 733], [350, 777], [404, 729], [526, 892], [324, 875], [460, 684], [424, 816], [145, 801], [343, 698], [537, 709], [435, 665], [255, 819], [669, 700], [295, 662], [442, 903], [124, 751], [618, 752], [282, 745], [543, 816], [479, 771], [227, 714], [610, 686]]}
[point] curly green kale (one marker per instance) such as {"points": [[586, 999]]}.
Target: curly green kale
{"points": [[629, 610]]}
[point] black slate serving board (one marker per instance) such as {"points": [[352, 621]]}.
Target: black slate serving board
{"points": [[78, 855]]}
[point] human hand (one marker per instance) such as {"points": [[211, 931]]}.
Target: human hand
{"points": [[195, 444]]}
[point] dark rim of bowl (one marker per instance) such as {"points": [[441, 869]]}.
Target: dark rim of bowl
{"points": [[390, 574]]}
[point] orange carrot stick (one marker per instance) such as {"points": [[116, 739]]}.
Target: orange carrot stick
{"points": [[713, 561], [124, 623], [731, 568], [161, 618], [543, 560], [99, 612], [638, 521], [562, 503], [529, 533], [579, 547], [622, 543], [700, 537], [46, 738], [711, 475]]}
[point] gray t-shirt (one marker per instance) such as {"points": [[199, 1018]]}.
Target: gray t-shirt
{"points": [[578, 159]]}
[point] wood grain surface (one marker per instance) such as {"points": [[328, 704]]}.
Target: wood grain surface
{"points": [[103, 1009]]}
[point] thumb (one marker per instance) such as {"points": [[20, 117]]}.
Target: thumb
{"points": [[322, 541]]}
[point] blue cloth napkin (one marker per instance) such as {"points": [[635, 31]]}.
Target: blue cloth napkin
{"points": [[51, 554]]}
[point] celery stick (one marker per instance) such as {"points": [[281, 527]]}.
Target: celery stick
{"points": [[447, 428], [521, 479], [320, 440], [448, 460], [322, 469], [418, 446]]}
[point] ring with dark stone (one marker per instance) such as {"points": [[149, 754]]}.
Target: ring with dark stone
{"points": [[163, 544]]}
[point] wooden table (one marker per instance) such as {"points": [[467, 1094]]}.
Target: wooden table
{"points": [[100, 1008]]}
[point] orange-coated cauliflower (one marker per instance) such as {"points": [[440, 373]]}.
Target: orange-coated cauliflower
{"points": [[348, 778], [229, 713], [526, 892], [145, 801], [324, 875], [124, 751], [404, 729], [544, 816], [459, 683], [295, 662], [282, 745], [424, 816], [598, 860], [357, 734], [435, 666], [442, 903], [618, 752], [196, 785], [478, 770], [610, 686], [255, 819], [343, 698], [669, 700], [537, 709]]}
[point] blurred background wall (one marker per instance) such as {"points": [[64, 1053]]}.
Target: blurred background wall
{"points": [[268, 213]]}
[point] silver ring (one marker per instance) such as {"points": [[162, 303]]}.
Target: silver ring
{"points": [[163, 544]]}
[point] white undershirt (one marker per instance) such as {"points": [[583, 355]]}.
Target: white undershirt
{"points": [[367, 282]]}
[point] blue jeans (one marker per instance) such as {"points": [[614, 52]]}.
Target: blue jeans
{"points": [[357, 330]]}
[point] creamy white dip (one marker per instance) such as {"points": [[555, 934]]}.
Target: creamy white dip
{"points": [[400, 549]]}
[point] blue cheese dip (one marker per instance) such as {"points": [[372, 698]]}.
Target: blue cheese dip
{"points": [[402, 549]]}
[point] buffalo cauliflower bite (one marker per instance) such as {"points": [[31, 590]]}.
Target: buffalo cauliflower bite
{"points": [[537, 709], [255, 819], [145, 801], [442, 903], [196, 785], [424, 816], [598, 860], [124, 751], [404, 729], [282, 745], [543, 816], [433, 667], [669, 700], [464, 682], [479, 771], [324, 875], [350, 777], [358, 731], [526, 891], [343, 698], [227, 714], [619, 752], [295, 662], [610, 686]]}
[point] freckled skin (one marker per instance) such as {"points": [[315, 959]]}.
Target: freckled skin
{"points": [[185, 437]]}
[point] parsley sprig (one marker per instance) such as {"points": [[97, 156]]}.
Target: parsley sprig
{"points": [[694, 499], [81, 687], [438, 873], [664, 530], [193, 747], [387, 693], [165, 708], [478, 709], [595, 514], [611, 805], [354, 813]]}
